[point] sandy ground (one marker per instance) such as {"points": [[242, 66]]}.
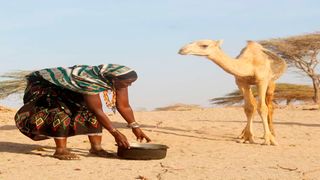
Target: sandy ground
{"points": [[202, 146]]}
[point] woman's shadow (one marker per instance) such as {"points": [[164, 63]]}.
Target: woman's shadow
{"points": [[34, 149], [13, 147], [40, 150]]}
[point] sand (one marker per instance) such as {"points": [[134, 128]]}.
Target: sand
{"points": [[202, 143]]}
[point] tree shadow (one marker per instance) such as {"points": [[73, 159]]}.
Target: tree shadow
{"points": [[281, 123], [298, 124]]}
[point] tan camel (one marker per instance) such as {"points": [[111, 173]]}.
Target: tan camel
{"points": [[254, 66]]}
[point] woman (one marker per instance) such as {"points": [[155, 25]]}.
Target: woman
{"points": [[63, 102]]}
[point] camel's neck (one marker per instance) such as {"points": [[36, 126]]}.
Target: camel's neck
{"points": [[233, 66]]}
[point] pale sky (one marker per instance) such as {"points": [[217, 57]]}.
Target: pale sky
{"points": [[146, 35]]}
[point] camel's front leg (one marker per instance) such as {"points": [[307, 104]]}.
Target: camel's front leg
{"points": [[269, 98], [263, 112], [249, 109]]}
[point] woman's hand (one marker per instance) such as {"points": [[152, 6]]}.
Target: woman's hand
{"points": [[120, 139], [140, 135]]}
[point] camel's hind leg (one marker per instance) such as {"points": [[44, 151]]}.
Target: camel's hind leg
{"points": [[249, 109], [269, 98]]}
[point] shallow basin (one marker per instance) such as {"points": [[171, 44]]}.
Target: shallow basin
{"points": [[143, 151]]}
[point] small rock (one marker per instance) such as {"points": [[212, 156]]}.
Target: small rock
{"points": [[141, 177]]}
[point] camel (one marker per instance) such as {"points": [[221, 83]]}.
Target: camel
{"points": [[255, 65]]}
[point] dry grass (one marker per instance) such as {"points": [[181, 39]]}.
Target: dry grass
{"points": [[16, 83], [178, 107]]}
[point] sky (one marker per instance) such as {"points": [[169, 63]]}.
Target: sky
{"points": [[146, 36]]}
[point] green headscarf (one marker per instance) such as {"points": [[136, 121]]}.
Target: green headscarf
{"points": [[83, 78]]}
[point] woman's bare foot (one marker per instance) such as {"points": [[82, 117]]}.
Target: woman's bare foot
{"points": [[64, 154], [100, 153]]}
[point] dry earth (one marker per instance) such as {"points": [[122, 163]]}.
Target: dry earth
{"points": [[202, 143]]}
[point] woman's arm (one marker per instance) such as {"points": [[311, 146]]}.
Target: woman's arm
{"points": [[123, 105], [126, 112], [94, 105]]}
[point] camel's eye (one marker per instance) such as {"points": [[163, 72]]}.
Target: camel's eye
{"points": [[203, 46]]}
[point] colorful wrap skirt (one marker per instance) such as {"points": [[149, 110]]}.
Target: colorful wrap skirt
{"points": [[50, 111]]}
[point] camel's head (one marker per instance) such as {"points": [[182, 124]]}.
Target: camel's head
{"points": [[200, 48]]}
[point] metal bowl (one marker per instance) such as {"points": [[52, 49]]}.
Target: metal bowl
{"points": [[141, 151]]}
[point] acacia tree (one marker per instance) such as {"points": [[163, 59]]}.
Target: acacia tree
{"points": [[15, 82], [283, 92], [301, 52]]}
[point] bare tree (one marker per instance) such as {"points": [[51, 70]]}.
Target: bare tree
{"points": [[300, 52]]}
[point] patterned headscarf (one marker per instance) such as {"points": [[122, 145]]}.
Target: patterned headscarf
{"points": [[87, 79]]}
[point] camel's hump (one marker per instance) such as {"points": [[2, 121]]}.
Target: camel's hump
{"points": [[252, 44], [278, 65]]}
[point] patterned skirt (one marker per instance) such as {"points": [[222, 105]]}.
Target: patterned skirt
{"points": [[51, 111]]}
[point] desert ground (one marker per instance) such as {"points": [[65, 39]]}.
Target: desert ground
{"points": [[202, 144]]}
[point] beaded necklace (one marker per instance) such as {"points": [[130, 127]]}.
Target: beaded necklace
{"points": [[110, 103]]}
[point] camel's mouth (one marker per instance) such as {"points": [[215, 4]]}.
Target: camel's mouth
{"points": [[182, 52]]}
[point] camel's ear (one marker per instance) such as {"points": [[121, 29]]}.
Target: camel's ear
{"points": [[219, 43]]}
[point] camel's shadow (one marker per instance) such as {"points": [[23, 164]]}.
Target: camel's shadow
{"points": [[180, 132]]}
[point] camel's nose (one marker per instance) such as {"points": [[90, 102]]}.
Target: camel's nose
{"points": [[182, 51]]}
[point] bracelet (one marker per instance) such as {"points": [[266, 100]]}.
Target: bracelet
{"points": [[133, 125], [113, 130]]}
